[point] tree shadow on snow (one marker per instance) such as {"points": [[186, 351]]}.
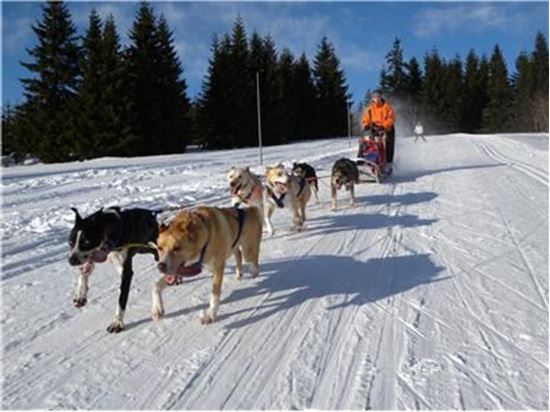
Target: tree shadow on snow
{"points": [[291, 283]]}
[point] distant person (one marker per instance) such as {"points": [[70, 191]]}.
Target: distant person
{"points": [[380, 114], [419, 132]]}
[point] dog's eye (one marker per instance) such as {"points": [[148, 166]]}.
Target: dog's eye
{"points": [[159, 248], [176, 248]]}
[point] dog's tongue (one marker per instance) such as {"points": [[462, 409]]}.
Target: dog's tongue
{"points": [[281, 187], [86, 267]]}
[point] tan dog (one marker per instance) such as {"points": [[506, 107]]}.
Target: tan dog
{"points": [[207, 236], [246, 188], [284, 190]]}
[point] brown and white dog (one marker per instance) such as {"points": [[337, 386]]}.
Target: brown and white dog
{"points": [[284, 190], [246, 188], [207, 236]]}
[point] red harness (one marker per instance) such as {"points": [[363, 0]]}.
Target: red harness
{"points": [[256, 189]]}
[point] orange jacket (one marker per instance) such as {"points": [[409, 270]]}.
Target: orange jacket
{"points": [[382, 115]]}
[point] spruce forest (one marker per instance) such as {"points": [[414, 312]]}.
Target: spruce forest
{"points": [[88, 96]]}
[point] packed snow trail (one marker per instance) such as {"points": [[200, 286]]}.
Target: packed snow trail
{"points": [[432, 293]]}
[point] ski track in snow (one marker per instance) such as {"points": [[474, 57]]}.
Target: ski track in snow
{"points": [[431, 293]]}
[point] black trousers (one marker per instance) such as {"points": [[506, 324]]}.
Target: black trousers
{"points": [[390, 144]]}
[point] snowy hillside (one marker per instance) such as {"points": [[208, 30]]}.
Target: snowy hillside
{"points": [[432, 293]]}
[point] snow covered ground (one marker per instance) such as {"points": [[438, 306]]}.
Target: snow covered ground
{"points": [[432, 293]]}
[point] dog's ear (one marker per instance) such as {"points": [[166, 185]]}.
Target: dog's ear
{"points": [[268, 168], [78, 219], [280, 164], [163, 227]]}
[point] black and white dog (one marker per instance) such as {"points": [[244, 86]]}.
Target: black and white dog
{"points": [[307, 172], [344, 173], [116, 235]]}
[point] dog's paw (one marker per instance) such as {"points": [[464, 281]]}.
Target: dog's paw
{"points": [[115, 327], [79, 302], [206, 318], [157, 313]]}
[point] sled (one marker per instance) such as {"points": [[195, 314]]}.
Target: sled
{"points": [[371, 157]]}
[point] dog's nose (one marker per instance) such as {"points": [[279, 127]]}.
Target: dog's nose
{"points": [[162, 267], [73, 260]]}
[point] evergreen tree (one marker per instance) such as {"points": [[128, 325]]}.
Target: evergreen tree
{"points": [[51, 91], [540, 63], [394, 76], [523, 85], [89, 119], [214, 114], [413, 83], [286, 96], [453, 95], [497, 112], [332, 94], [305, 100], [263, 59], [540, 80], [434, 91], [242, 102], [174, 124], [9, 139], [413, 91], [116, 136], [473, 101], [141, 66]]}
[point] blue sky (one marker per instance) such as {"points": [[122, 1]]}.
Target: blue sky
{"points": [[362, 32]]}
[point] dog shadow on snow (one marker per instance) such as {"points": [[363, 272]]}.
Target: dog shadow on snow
{"points": [[329, 224], [339, 281]]}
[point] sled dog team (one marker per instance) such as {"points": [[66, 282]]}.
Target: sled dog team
{"points": [[200, 236]]}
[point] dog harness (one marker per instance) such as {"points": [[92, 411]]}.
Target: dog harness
{"points": [[246, 198], [278, 200], [302, 185], [240, 220], [112, 245]]}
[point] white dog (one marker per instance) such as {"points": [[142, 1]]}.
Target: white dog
{"points": [[246, 188]]}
